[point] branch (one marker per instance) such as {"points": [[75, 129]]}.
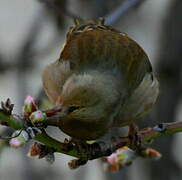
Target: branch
{"points": [[113, 17], [86, 151], [161, 130]]}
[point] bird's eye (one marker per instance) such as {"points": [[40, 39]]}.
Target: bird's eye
{"points": [[72, 108]]}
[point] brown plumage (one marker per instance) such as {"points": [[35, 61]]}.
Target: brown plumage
{"points": [[102, 79]]}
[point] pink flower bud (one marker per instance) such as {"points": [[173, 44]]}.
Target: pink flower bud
{"points": [[125, 156], [122, 157], [29, 106], [15, 143], [19, 140], [38, 117], [112, 159]]}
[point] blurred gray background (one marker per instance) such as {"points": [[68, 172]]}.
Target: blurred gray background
{"points": [[32, 33]]}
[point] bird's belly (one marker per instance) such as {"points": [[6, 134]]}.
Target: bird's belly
{"points": [[82, 130]]}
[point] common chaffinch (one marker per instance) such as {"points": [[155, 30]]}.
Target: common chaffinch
{"points": [[103, 79]]}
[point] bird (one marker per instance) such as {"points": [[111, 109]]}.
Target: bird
{"points": [[102, 80]]}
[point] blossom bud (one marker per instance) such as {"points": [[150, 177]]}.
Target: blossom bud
{"points": [[19, 140], [38, 117], [29, 106], [122, 157], [151, 153]]}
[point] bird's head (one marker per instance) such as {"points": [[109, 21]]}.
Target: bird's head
{"points": [[88, 102]]}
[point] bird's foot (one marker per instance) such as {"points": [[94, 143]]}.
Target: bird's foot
{"points": [[72, 142]]}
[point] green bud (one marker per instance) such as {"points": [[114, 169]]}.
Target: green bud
{"points": [[29, 106], [38, 117], [19, 140]]}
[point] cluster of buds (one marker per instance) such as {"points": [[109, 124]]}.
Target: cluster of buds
{"points": [[31, 111]]}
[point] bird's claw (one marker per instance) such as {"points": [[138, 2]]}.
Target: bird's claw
{"points": [[68, 145], [72, 142]]}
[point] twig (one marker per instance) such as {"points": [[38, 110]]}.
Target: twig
{"points": [[112, 17], [167, 128], [100, 149], [33, 124]]}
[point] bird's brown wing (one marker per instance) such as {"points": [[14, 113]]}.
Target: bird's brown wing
{"points": [[94, 45], [54, 76]]}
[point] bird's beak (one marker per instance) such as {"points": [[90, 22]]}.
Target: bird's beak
{"points": [[56, 109]]}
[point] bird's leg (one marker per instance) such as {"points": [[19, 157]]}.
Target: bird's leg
{"points": [[133, 135], [133, 129]]}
